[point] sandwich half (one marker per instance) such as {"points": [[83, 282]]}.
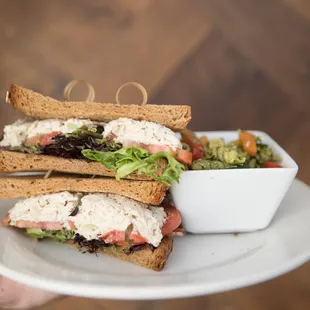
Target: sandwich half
{"points": [[100, 223], [93, 138]]}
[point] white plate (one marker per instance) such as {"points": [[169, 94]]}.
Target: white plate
{"points": [[199, 264]]}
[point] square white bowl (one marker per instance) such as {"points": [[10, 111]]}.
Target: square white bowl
{"points": [[233, 200]]}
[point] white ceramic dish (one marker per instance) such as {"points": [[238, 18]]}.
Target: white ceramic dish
{"points": [[199, 264], [233, 200]]}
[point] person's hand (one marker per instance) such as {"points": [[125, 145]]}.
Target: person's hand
{"points": [[18, 296]]}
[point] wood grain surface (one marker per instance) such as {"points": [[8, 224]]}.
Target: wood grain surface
{"points": [[238, 63]]}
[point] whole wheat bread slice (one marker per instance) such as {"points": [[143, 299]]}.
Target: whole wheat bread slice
{"points": [[38, 106], [16, 162], [146, 257], [150, 192]]}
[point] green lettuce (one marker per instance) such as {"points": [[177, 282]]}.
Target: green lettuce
{"points": [[135, 159], [60, 236]]}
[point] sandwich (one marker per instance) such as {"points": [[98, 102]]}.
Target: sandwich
{"points": [[92, 215], [112, 166], [121, 141]]}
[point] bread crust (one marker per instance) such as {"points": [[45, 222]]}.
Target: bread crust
{"points": [[146, 257], [17, 162], [150, 192], [38, 106]]}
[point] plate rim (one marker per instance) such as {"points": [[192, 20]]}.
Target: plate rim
{"points": [[188, 289], [118, 292]]}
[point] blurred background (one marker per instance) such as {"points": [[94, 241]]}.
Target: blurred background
{"points": [[238, 63]]}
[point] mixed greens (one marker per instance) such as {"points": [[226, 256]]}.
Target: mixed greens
{"points": [[246, 152], [90, 246], [85, 245], [88, 144], [135, 159], [71, 145]]}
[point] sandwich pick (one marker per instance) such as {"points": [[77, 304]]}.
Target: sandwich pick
{"points": [[124, 139]]}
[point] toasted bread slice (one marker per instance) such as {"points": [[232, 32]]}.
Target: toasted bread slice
{"points": [[38, 106], [16, 162], [150, 192], [146, 257]]}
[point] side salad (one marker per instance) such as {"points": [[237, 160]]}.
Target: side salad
{"points": [[248, 151]]}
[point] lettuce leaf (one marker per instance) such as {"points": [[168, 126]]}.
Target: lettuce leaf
{"points": [[135, 159], [60, 236]]}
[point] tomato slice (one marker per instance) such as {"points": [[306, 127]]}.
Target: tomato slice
{"points": [[184, 156], [151, 148], [32, 141], [173, 220], [6, 220], [48, 138], [72, 225], [270, 164], [114, 236], [43, 139], [118, 237], [41, 225], [154, 148]]}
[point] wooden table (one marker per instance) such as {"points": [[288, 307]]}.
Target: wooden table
{"points": [[238, 63]]}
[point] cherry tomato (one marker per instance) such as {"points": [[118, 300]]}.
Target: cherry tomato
{"points": [[270, 164], [248, 142]]}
